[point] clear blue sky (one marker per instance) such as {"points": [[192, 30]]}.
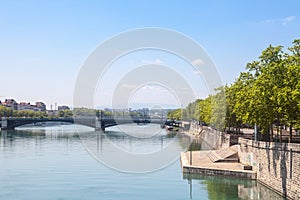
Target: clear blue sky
{"points": [[44, 43]]}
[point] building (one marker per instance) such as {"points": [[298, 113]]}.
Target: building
{"points": [[10, 103], [26, 106], [41, 106], [63, 107], [52, 112]]}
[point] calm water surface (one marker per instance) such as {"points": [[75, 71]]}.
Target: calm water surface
{"points": [[51, 163]]}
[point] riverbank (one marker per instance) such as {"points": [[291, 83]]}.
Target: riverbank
{"points": [[198, 162], [215, 157], [275, 165]]}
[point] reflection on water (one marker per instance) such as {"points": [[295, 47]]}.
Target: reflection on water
{"points": [[51, 163], [231, 188], [126, 152], [10, 137], [129, 142]]}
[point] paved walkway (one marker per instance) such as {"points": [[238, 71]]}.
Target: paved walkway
{"points": [[201, 163], [200, 158]]}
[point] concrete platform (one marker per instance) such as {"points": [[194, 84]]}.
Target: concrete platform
{"points": [[202, 164]]}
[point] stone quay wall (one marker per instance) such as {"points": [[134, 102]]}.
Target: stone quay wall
{"points": [[209, 138], [277, 165]]}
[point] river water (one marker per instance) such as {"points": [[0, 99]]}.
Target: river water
{"points": [[53, 163]]}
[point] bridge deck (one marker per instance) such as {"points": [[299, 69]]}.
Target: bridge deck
{"points": [[97, 123]]}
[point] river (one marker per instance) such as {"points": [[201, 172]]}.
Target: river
{"points": [[53, 163]]}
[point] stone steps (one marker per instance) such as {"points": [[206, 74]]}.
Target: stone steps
{"points": [[226, 152], [213, 156], [223, 155]]}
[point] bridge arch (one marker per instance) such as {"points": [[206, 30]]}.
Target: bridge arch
{"points": [[12, 123]]}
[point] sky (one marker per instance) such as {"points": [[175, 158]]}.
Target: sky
{"points": [[43, 44]]}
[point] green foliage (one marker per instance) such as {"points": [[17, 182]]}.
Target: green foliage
{"points": [[65, 113], [7, 112], [175, 114], [211, 110], [84, 112], [4, 112], [268, 91], [218, 112]]}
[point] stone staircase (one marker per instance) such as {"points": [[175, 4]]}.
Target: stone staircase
{"points": [[224, 155], [214, 156]]}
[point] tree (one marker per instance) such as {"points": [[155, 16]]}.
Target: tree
{"points": [[175, 114], [290, 92], [266, 94], [218, 111]]}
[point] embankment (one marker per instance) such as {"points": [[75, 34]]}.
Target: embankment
{"points": [[209, 138], [277, 164]]}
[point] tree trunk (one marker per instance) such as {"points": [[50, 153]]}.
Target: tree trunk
{"points": [[268, 134], [280, 129], [272, 133], [277, 130], [291, 132]]}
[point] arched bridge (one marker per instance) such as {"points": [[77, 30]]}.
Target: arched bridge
{"points": [[97, 123]]}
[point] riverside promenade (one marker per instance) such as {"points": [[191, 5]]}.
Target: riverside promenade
{"points": [[216, 156], [200, 162], [273, 164]]}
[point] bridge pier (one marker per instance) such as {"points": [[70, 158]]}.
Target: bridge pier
{"points": [[4, 125], [99, 124], [100, 129], [7, 128]]}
